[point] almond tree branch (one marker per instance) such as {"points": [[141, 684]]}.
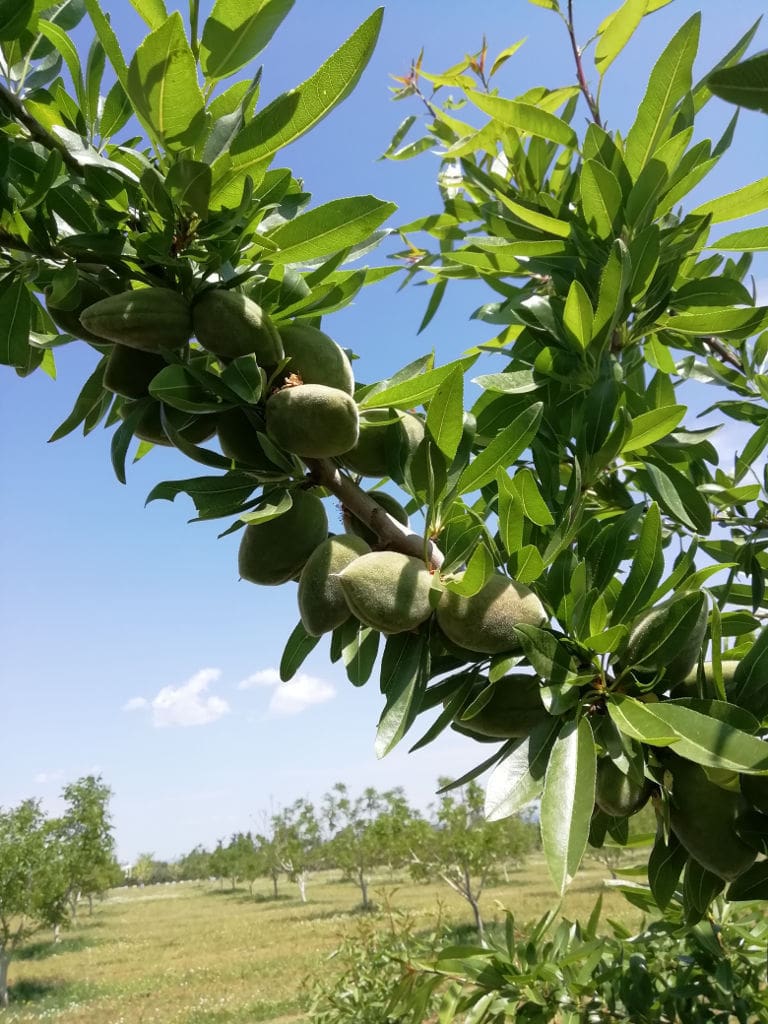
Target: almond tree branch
{"points": [[582, 78], [13, 106], [393, 535], [724, 353]]}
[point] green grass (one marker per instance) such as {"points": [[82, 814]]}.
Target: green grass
{"points": [[196, 954]]}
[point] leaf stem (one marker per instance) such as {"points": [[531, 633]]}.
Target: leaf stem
{"points": [[393, 535], [194, 20], [594, 109]]}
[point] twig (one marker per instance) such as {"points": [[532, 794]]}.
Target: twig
{"points": [[582, 78], [725, 353], [15, 108], [393, 535]]}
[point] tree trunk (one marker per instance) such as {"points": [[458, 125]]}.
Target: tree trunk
{"points": [[274, 883], [301, 881], [4, 962], [90, 904], [363, 883], [57, 933], [478, 917]]}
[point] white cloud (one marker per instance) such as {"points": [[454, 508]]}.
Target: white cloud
{"points": [[184, 705], [135, 704], [266, 677], [300, 693], [45, 777]]}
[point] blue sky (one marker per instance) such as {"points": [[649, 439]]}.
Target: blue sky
{"points": [[129, 645]]}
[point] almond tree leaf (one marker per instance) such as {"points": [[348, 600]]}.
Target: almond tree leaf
{"points": [[745, 84], [297, 111], [210, 494], [601, 198], [651, 426], [665, 865], [617, 33], [236, 31], [645, 571], [519, 777], [162, 83], [752, 198], [751, 885], [445, 416], [404, 675], [417, 388], [503, 449], [298, 646], [15, 317], [750, 240], [525, 117], [90, 397], [670, 80], [14, 16], [328, 228], [578, 315], [749, 688], [568, 801], [153, 12]]}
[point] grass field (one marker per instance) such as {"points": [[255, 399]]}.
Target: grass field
{"points": [[197, 954]]}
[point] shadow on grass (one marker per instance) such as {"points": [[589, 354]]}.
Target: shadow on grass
{"points": [[45, 948], [252, 1014], [50, 994]]}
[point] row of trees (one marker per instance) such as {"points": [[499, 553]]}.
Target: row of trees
{"points": [[358, 835], [49, 864]]}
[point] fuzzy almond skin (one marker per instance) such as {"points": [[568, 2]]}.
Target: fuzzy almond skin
{"points": [[321, 599], [703, 817], [618, 795], [513, 710], [230, 325], [152, 319], [239, 440], [274, 552], [129, 371], [388, 591], [150, 425], [316, 358], [484, 622], [312, 420], [386, 438], [649, 645]]}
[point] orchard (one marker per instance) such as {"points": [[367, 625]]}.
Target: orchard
{"points": [[564, 572]]}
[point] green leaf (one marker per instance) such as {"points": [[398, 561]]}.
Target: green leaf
{"points": [[548, 656], [749, 688], [414, 390], [652, 426], [236, 31], [665, 865], [63, 43], [121, 439], [359, 648], [404, 669], [678, 495], [329, 228], [601, 199], [152, 11], [714, 320], [109, 41], [503, 449], [751, 885], [744, 201], [300, 644], [445, 416], [540, 221], [530, 500], [212, 495], [525, 117], [296, 112], [14, 17], [645, 570], [567, 801], [513, 382], [614, 282], [269, 508], [177, 387], [709, 741], [519, 777], [577, 317], [750, 240], [744, 84], [670, 80], [617, 33], [90, 398], [188, 182], [243, 378], [162, 83], [15, 317]]}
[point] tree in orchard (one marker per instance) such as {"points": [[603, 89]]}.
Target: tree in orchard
{"points": [[587, 588], [86, 835], [33, 882], [143, 869], [298, 843], [464, 849], [366, 831]]}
